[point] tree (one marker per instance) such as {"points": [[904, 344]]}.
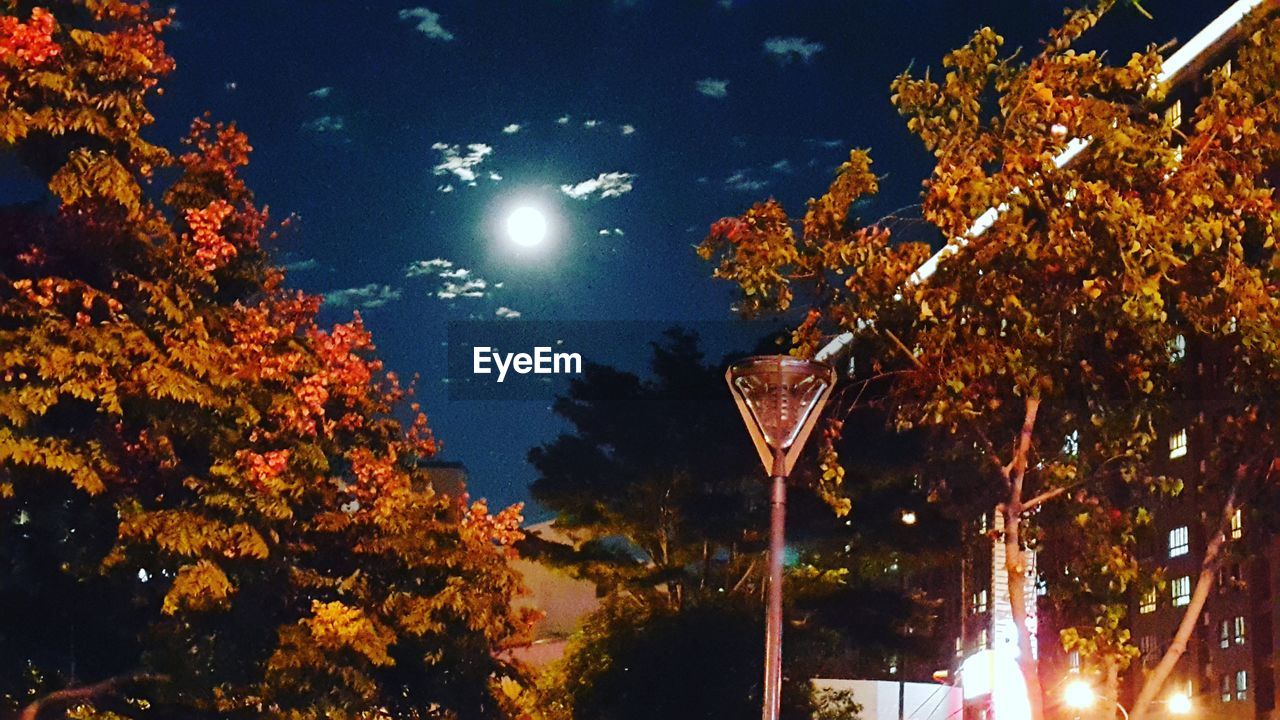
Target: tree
{"points": [[1068, 285], [659, 486], [209, 506]]}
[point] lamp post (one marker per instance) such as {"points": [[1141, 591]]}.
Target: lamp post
{"points": [[1080, 695], [780, 398]]}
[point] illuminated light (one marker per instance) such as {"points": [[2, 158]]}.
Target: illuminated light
{"points": [[526, 226], [1179, 704], [1079, 695], [908, 517]]}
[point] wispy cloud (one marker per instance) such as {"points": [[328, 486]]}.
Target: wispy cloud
{"points": [[372, 295], [588, 124], [495, 176], [628, 129], [713, 87], [454, 161], [743, 181], [446, 188], [511, 129], [782, 166], [786, 49], [301, 265], [434, 266], [606, 232], [326, 124], [468, 288], [321, 93], [605, 185], [507, 313], [428, 23], [562, 120]]}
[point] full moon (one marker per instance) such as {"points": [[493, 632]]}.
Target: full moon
{"points": [[526, 226]]}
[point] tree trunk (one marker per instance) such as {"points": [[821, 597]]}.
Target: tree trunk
{"points": [[1208, 575], [1015, 560], [85, 692], [1111, 687]]}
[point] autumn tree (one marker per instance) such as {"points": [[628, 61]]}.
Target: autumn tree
{"points": [[209, 505], [1092, 237]]}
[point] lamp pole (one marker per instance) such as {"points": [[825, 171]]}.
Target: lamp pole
{"points": [[780, 398]]}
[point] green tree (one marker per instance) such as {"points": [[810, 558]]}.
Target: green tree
{"points": [[1092, 236], [208, 504]]}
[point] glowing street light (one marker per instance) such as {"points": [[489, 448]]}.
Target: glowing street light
{"points": [[908, 517], [1079, 695], [1179, 704], [780, 398]]}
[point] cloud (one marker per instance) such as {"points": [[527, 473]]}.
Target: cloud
{"points": [[301, 265], [511, 129], [507, 313], [435, 266], [471, 288], [321, 93], [712, 87], [742, 181], [428, 23], [786, 49], [782, 166], [606, 185], [453, 161], [370, 296], [820, 142], [326, 124], [562, 120], [456, 274], [446, 188], [628, 129], [494, 176], [605, 232], [230, 86], [588, 124]]}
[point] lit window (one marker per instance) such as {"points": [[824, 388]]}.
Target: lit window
{"points": [[980, 601], [1174, 113], [1073, 659], [1226, 688], [1238, 631], [1178, 346], [982, 639], [1178, 541], [1224, 637], [959, 647], [982, 523], [1071, 446], [1181, 590], [1178, 444], [1237, 525], [893, 665], [1242, 685], [1148, 604], [1147, 645]]}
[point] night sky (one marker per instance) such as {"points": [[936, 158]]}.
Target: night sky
{"points": [[402, 134]]}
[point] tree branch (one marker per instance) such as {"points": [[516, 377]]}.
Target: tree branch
{"points": [[87, 692]]}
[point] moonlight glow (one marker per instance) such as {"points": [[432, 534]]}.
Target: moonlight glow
{"points": [[527, 226]]}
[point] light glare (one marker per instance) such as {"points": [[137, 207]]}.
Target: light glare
{"points": [[526, 226], [1179, 704], [1079, 695]]}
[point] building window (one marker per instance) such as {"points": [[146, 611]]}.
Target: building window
{"points": [[1242, 685], [980, 601], [1238, 630], [1178, 541], [1178, 346], [1147, 645], [1073, 660], [1224, 637], [1174, 113], [982, 639], [1237, 525], [1178, 444], [959, 647], [982, 523], [1226, 688], [1181, 591], [1149, 599]]}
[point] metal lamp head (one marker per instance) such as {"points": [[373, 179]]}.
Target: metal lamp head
{"points": [[780, 398]]}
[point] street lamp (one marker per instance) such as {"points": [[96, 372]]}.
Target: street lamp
{"points": [[1179, 704], [1079, 695], [780, 398]]}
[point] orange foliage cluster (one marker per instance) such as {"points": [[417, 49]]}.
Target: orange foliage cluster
{"points": [[29, 43], [212, 249]]}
